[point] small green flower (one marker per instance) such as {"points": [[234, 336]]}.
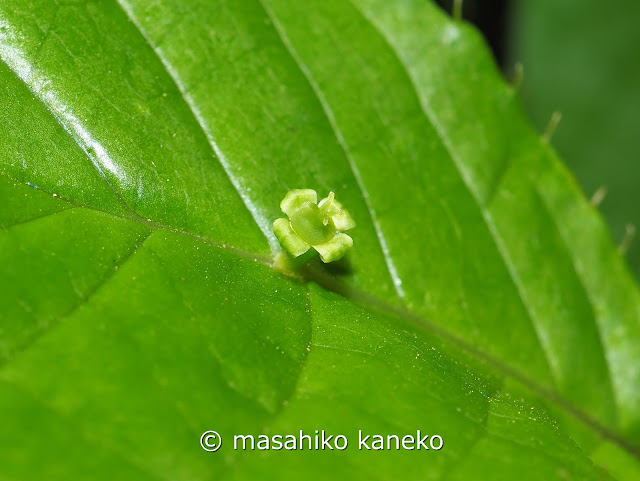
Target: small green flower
{"points": [[313, 224]]}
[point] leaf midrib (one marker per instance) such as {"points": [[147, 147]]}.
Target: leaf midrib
{"points": [[357, 296]]}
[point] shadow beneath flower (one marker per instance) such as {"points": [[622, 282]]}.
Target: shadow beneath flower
{"points": [[320, 272], [339, 268]]}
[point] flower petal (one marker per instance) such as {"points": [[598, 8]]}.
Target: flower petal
{"points": [[296, 198], [291, 241], [335, 248], [333, 209]]}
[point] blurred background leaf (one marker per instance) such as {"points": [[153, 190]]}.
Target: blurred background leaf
{"points": [[582, 57]]}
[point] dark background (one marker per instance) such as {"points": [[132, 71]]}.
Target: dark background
{"points": [[493, 22]]}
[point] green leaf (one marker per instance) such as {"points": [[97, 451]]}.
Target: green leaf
{"points": [[146, 148]]}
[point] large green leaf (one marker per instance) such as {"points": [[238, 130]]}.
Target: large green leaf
{"points": [[146, 147]]}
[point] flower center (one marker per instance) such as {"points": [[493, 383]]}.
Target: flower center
{"points": [[311, 224]]}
